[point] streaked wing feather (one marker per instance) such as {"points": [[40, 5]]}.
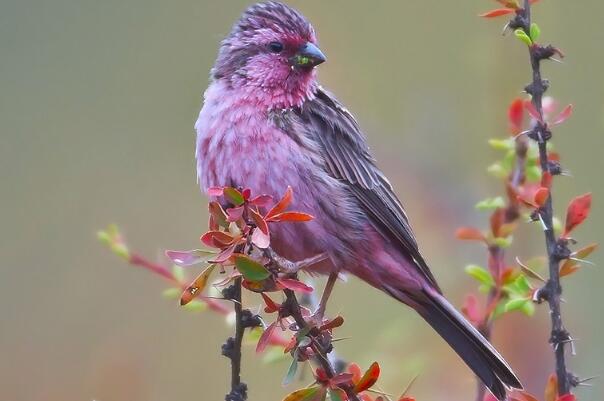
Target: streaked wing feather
{"points": [[347, 158]]}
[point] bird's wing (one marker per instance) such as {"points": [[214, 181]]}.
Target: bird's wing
{"points": [[347, 157]]}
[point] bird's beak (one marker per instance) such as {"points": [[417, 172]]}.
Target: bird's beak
{"points": [[308, 56]]}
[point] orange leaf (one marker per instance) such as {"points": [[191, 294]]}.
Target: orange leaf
{"points": [[585, 252], [497, 12], [577, 212], [516, 115], [568, 268], [541, 196], [551, 389], [369, 378], [197, 286], [290, 216], [356, 371], [469, 234], [217, 239], [265, 338], [282, 204]]}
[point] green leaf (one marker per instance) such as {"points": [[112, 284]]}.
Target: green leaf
{"points": [[233, 196], [171, 293], [480, 274], [503, 242], [501, 144], [520, 34], [516, 304], [196, 306], [557, 225], [533, 173], [497, 170], [535, 32], [251, 270], [335, 395], [528, 309], [178, 273], [490, 203], [293, 368]]}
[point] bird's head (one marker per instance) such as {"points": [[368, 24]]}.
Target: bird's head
{"points": [[272, 48]]}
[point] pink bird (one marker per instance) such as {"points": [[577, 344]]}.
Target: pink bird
{"points": [[267, 124]]}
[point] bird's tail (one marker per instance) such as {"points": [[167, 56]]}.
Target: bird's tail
{"points": [[467, 342]]}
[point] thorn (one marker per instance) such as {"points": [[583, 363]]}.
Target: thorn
{"points": [[521, 134], [543, 225], [556, 60], [505, 29], [566, 173], [587, 262]]}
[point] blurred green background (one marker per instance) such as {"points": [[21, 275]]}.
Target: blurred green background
{"points": [[97, 105]]}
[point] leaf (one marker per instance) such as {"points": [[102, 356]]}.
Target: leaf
{"points": [[271, 306], [189, 258], [234, 213], [259, 221], [369, 378], [490, 203], [523, 396], [567, 397], [516, 116], [577, 212], [260, 239], [291, 216], [295, 285], [564, 115], [171, 293], [333, 324], [233, 196], [225, 254], [520, 34], [250, 269], [262, 200], [218, 214], [215, 191], [568, 268], [337, 395], [291, 372], [196, 306], [469, 234], [530, 272], [530, 108], [585, 252], [535, 32], [197, 286], [307, 394], [497, 13], [217, 239], [480, 274], [515, 304], [265, 338], [541, 196], [551, 389], [282, 204]]}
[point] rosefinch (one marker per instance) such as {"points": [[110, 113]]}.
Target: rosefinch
{"points": [[267, 124]]}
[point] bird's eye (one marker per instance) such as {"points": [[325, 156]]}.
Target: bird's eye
{"points": [[275, 47]]}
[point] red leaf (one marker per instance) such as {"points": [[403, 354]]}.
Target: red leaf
{"points": [[282, 204], [225, 254], [217, 239], [356, 371], [234, 213], [246, 193], [497, 12], [290, 216], [546, 179], [564, 115], [471, 309], [259, 221], [294, 285], [218, 214], [567, 397], [469, 234], [530, 108], [551, 389], [541, 196], [577, 212], [523, 396], [369, 378], [215, 191], [260, 239], [516, 115], [332, 324], [262, 200], [341, 378], [265, 338], [271, 306], [569, 267], [496, 220]]}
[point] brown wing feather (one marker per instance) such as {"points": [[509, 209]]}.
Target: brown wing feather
{"points": [[347, 157]]}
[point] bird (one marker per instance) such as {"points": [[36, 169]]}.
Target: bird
{"points": [[267, 124]]}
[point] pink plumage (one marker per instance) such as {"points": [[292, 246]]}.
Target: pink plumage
{"points": [[267, 124]]}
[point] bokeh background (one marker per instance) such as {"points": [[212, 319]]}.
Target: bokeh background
{"points": [[97, 105]]}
